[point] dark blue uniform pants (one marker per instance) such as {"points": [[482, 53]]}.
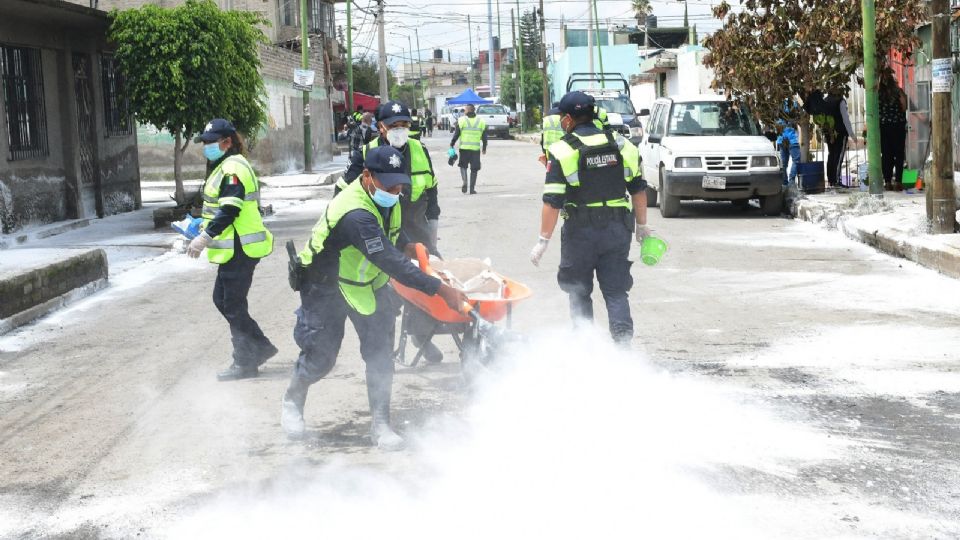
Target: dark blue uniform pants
{"points": [[320, 328], [601, 248], [230, 296]]}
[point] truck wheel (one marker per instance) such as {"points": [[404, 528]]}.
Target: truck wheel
{"points": [[772, 205], [651, 197], [669, 204]]}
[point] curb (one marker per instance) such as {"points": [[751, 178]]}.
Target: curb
{"points": [[31, 294], [58, 228], [923, 250], [29, 315]]}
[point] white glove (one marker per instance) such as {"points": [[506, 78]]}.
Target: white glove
{"points": [[538, 250], [642, 232], [434, 226], [198, 244]]}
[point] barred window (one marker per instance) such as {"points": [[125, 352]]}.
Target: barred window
{"points": [[22, 79], [116, 107]]}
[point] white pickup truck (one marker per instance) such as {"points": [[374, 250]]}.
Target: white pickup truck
{"points": [[497, 118], [705, 147]]}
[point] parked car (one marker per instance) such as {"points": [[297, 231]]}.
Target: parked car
{"points": [[449, 116], [706, 147], [497, 118]]}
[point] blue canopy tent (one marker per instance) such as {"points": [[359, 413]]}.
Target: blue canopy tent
{"points": [[468, 97]]}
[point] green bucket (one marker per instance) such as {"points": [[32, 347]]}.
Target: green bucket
{"points": [[909, 177], [652, 250]]}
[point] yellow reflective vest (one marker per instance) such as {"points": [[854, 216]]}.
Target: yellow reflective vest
{"points": [[359, 279], [471, 132], [255, 240]]}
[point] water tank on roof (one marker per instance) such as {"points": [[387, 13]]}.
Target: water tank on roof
{"points": [[438, 55]]}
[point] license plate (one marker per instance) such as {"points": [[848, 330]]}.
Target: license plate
{"points": [[714, 182]]}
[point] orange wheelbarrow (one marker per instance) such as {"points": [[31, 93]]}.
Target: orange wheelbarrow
{"points": [[472, 328]]}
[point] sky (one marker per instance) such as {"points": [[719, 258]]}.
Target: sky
{"points": [[442, 23]]}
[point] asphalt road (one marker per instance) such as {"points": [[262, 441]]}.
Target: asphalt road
{"points": [[784, 383]]}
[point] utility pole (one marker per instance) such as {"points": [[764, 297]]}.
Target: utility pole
{"points": [[473, 78], [410, 44], [490, 60], [590, 36], [596, 19], [522, 102], [349, 59], [941, 204], [420, 68], [871, 103], [543, 61], [305, 64], [384, 88]]}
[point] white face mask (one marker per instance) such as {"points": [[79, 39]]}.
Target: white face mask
{"points": [[398, 137]]}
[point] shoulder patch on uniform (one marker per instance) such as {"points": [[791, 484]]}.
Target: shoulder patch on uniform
{"points": [[374, 245]]}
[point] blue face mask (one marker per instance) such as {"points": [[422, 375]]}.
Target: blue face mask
{"points": [[212, 151], [384, 199]]}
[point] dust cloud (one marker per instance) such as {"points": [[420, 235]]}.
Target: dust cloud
{"points": [[568, 437]]}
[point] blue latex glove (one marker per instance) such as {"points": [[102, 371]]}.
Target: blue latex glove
{"points": [[451, 152]]}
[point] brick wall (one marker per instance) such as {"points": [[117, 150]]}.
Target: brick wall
{"points": [[21, 292], [279, 63]]}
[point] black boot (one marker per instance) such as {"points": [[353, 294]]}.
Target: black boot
{"points": [[236, 372], [463, 174], [379, 386], [473, 182], [267, 351], [291, 407]]}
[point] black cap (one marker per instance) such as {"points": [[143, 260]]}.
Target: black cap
{"points": [[577, 104], [393, 111], [386, 165], [215, 130]]}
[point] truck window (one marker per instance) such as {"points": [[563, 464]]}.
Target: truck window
{"points": [[711, 118], [491, 109]]}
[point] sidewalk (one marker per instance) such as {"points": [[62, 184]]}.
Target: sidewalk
{"points": [[896, 225], [44, 268]]}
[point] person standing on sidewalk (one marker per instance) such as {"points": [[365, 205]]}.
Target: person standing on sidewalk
{"points": [[356, 247], [235, 239], [594, 179], [472, 132], [789, 144], [428, 122], [832, 117], [893, 130]]}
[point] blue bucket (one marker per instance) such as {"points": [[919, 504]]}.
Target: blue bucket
{"points": [[811, 177]]}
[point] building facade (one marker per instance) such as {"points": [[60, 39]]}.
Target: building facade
{"points": [[278, 147], [68, 140]]}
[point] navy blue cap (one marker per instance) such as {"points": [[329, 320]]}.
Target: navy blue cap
{"points": [[577, 104], [215, 130], [393, 111], [386, 165]]}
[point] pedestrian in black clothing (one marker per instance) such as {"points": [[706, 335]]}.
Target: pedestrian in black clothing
{"points": [[893, 131]]}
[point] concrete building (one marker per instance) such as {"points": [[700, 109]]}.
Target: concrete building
{"points": [[68, 139], [278, 147]]}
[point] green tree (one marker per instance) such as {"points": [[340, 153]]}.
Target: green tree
{"points": [[408, 94], [366, 77], [532, 92], [186, 65], [530, 38], [772, 50]]}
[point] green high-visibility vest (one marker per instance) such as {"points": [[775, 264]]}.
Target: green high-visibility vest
{"points": [[359, 279], [552, 132], [569, 159], [601, 121], [471, 132], [255, 240], [421, 174]]}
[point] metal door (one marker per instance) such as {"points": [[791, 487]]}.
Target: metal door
{"points": [[87, 142]]}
